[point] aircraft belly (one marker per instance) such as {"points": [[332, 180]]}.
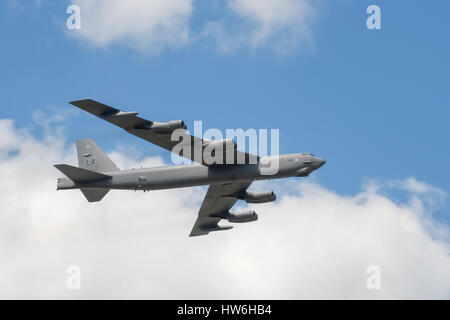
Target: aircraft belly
{"points": [[176, 177]]}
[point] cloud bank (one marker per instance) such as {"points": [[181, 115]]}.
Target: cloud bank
{"points": [[312, 243], [152, 26]]}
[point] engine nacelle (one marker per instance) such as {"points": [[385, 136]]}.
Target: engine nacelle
{"points": [[257, 197], [242, 216], [216, 152], [304, 172], [224, 144], [163, 127], [238, 217]]}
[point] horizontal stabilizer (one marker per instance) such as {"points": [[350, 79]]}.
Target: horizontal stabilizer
{"points": [[81, 175]]}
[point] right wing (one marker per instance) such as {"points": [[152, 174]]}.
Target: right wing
{"points": [[158, 133], [218, 199]]}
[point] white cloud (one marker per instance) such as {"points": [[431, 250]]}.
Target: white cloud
{"points": [[279, 25], [313, 243], [146, 25], [152, 26]]}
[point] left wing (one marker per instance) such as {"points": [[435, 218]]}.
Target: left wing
{"points": [[159, 133], [218, 199]]}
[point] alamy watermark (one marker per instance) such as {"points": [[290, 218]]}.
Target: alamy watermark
{"points": [[238, 146], [73, 281], [73, 22], [374, 277], [373, 22]]}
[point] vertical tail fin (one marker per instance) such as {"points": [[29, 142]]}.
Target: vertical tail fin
{"points": [[91, 157]]}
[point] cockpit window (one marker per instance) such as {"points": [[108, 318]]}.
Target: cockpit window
{"points": [[307, 154]]}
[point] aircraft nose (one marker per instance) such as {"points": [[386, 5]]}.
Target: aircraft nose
{"points": [[320, 162]]}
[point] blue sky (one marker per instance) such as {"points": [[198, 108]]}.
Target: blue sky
{"points": [[375, 104]]}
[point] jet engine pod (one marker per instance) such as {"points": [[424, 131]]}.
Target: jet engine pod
{"points": [[242, 216], [227, 144], [163, 127], [304, 172], [219, 152], [257, 197]]}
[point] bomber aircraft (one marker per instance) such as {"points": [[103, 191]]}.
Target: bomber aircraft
{"points": [[227, 170]]}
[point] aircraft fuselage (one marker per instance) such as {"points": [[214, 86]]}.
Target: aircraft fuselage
{"points": [[191, 175]]}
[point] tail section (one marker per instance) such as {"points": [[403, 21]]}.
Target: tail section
{"points": [[93, 162], [92, 158]]}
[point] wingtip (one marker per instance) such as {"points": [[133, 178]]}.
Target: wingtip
{"points": [[74, 102], [197, 234]]}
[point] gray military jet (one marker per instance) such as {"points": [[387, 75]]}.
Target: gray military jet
{"points": [[228, 171]]}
